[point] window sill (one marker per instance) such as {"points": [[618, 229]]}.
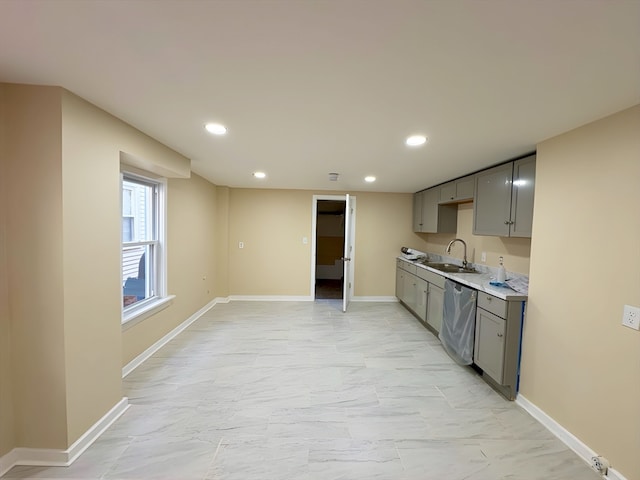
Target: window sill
{"points": [[137, 315]]}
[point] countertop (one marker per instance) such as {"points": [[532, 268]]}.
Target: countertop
{"points": [[479, 281]]}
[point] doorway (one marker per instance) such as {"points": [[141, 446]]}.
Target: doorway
{"points": [[333, 239], [329, 236]]}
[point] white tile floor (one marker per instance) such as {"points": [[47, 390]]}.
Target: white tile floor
{"points": [[268, 391]]}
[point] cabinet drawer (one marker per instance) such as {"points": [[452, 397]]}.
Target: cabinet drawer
{"points": [[406, 266], [495, 305], [431, 277]]}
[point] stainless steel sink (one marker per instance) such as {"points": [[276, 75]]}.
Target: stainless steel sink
{"points": [[451, 268]]}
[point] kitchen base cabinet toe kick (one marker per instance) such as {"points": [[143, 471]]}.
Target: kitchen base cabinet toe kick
{"points": [[497, 330]]}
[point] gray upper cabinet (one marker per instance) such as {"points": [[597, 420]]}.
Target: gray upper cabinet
{"points": [[434, 218], [503, 202], [524, 179], [417, 211], [458, 190]]}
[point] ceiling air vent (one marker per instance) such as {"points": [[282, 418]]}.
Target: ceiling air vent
{"points": [[333, 177]]}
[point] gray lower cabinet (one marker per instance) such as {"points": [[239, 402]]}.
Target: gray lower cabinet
{"points": [[497, 341], [435, 298], [489, 344], [435, 307], [411, 289], [422, 288], [503, 201], [400, 273]]}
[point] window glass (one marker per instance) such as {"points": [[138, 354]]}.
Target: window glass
{"points": [[140, 240]]}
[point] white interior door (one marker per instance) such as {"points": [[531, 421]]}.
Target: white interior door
{"points": [[349, 235]]}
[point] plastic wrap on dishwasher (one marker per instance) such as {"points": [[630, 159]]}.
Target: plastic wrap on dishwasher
{"points": [[459, 321]]}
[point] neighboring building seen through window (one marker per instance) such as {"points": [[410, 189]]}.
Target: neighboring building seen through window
{"points": [[140, 239]]}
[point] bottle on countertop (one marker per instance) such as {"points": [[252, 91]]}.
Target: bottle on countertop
{"points": [[502, 272]]}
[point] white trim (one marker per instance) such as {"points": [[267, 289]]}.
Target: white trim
{"points": [[272, 298], [314, 226], [98, 428], [8, 461], [381, 298], [62, 458], [136, 315], [565, 436], [136, 362]]}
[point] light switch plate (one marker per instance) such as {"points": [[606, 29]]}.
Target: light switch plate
{"points": [[631, 317]]}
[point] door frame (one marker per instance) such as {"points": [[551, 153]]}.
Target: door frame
{"points": [[314, 227]]}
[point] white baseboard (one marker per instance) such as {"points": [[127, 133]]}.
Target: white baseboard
{"points": [[272, 298], [140, 359], [565, 436], [62, 458], [98, 428], [380, 298]]}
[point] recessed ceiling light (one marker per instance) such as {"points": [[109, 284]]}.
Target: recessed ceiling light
{"points": [[415, 140], [370, 179], [259, 174], [216, 128]]}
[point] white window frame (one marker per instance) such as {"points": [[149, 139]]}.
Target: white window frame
{"points": [[143, 309]]}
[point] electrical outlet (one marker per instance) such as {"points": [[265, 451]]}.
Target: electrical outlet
{"points": [[631, 317], [240, 244], [483, 257]]}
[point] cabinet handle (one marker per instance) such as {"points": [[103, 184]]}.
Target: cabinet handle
{"points": [[506, 222], [488, 299], [500, 335]]}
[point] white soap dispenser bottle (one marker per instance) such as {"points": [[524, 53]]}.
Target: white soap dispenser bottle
{"points": [[502, 273]]}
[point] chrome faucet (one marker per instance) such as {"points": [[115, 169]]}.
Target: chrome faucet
{"points": [[464, 258]]}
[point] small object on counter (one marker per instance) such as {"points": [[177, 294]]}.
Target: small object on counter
{"points": [[519, 284], [499, 284], [502, 273]]}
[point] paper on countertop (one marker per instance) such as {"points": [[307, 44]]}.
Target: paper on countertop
{"points": [[519, 284]]}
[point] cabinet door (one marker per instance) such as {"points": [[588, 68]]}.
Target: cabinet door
{"points": [[488, 353], [410, 291], [465, 188], [417, 212], [524, 177], [435, 307], [492, 201], [430, 210], [422, 288], [400, 283], [448, 192]]}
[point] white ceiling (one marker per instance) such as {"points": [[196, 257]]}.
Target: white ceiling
{"points": [[308, 87]]}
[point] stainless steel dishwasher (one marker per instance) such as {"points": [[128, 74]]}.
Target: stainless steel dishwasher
{"points": [[458, 322]]}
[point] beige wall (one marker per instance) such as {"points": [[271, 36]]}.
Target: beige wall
{"points": [[35, 266], [221, 236], [92, 278], [192, 272], [274, 261], [7, 430], [60, 282], [579, 364], [516, 251]]}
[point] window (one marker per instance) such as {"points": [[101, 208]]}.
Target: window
{"points": [[142, 243]]}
